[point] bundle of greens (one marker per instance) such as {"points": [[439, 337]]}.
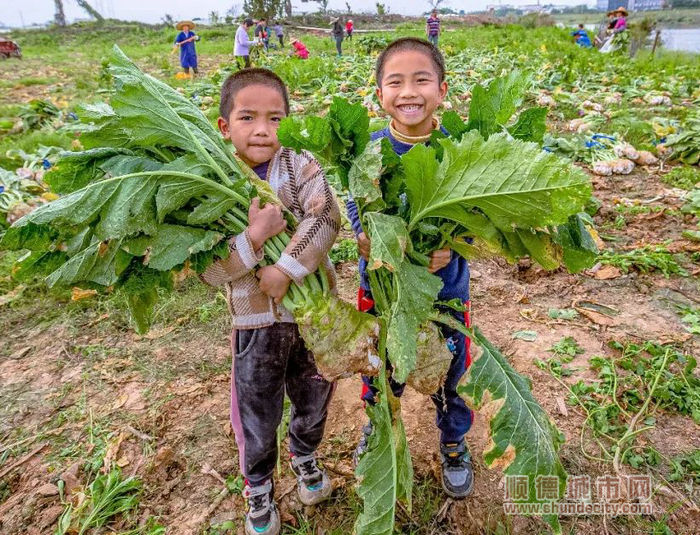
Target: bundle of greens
{"points": [[686, 144], [157, 189], [480, 190]]}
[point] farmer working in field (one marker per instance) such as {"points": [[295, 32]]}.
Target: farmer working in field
{"points": [[337, 35], [242, 43], [185, 40], [269, 355], [411, 85], [581, 37], [349, 28], [300, 51]]}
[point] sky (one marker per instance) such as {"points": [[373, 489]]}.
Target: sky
{"points": [[15, 13]]}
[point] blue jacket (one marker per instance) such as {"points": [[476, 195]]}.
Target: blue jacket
{"points": [[582, 38], [188, 55], [455, 275]]}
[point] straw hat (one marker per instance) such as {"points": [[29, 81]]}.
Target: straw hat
{"points": [[621, 10], [185, 23]]}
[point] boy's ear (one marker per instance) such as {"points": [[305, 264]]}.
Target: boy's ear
{"points": [[378, 92], [443, 90], [223, 127]]}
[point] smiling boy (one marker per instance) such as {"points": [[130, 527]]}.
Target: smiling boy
{"points": [[411, 85], [270, 357]]}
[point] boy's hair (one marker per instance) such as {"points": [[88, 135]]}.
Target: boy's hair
{"points": [[580, 26], [247, 77], [411, 43]]}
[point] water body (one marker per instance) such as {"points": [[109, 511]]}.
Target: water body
{"points": [[686, 39], [683, 39]]}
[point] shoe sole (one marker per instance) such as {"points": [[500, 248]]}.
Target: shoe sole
{"points": [[313, 499], [274, 528], [454, 495]]}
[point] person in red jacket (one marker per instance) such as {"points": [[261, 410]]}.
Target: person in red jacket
{"points": [[300, 51], [349, 27]]}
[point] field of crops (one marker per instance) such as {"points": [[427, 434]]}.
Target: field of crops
{"points": [[106, 430]]}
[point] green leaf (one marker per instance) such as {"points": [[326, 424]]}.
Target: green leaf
{"points": [[306, 133], [210, 209], [75, 170], [389, 238], [384, 471], [415, 292], [578, 246], [491, 108], [524, 441], [96, 264], [531, 125], [363, 177], [28, 235], [171, 245], [503, 192], [154, 113], [454, 124]]}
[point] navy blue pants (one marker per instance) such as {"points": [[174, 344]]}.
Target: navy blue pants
{"points": [[453, 417]]}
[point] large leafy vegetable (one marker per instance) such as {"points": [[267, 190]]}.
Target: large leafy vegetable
{"points": [[480, 191], [158, 189], [686, 144]]}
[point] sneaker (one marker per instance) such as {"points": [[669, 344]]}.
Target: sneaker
{"points": [[363, 444], [457, 471], [314, 485], [261, 516]]}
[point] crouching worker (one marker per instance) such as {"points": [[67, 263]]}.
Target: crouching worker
{"points": [[269, 356]]}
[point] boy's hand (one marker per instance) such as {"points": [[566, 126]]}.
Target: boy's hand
{"points": [[439, 259], [263, 223], [364, 245], [273, 282]]}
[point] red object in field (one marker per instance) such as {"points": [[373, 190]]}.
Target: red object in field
{"points": [[9, 49]]}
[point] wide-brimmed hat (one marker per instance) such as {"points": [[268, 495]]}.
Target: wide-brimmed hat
{"points": [[611, 13], [182, 23], [621, 10], [334, 20]]}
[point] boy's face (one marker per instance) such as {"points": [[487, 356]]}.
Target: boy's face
{"points": [[410, 91], [252, 124], [185, 28]]}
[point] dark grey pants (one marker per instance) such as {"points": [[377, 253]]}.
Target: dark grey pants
{"points": [[266, 363]]}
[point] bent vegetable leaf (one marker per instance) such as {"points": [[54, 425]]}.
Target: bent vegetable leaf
{"points": [[524, 441]]}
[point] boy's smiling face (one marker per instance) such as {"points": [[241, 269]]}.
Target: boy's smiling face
{"points": [[252, 124], [410, 91]]}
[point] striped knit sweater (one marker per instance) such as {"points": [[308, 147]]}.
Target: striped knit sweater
{"points": [[301, 185]]}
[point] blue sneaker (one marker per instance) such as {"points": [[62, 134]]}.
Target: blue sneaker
{"points": [[261, 516], [457, 471], [314, 485], [363, 444]]}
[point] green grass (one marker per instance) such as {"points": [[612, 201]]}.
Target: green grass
{"points": [[683, 177], [645, 259]]}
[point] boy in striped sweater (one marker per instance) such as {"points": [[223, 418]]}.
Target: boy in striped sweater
{"points": [[269, 356]]}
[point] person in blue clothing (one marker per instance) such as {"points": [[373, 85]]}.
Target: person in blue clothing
{"points": [[410, 75], [581, 37], [185, 41]]}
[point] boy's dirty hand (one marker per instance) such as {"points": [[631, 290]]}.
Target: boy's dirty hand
{"points": [[263, 223], [364, 245], [273, 282], [439, 259]]}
